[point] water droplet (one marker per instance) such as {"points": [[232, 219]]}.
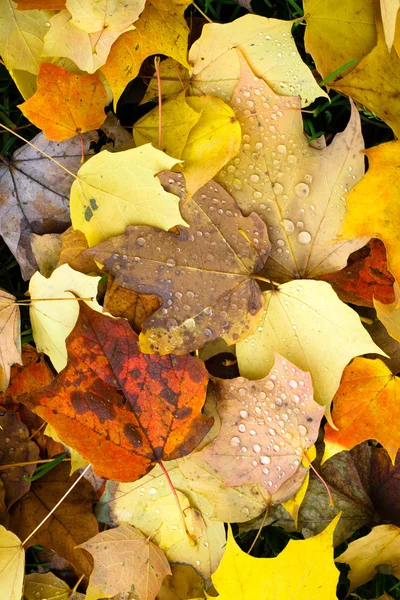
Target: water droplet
{"points": [[302, 430], [235, 441], [242, 428], [288, 225], [171, 262], [304, 238], [237, 184], [293, 384], [252, 432], [140, 241], [269, 385], [265, 471], [275, 448], [256, 448], [301, 190], [254, 178], [207, 332], [243, 449], [265, 460], [152, 491], [244, 414], [278, 188], [281, 149], [47, 24], [245, 511]]}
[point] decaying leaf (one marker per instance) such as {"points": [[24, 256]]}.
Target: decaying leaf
{"points": [[16, 447], [113, 190], [70, 525], [313, 574], [12, 565], [366, 406], [52, 320], [65, 104], [161, 29], [34, 193], [296, 189], [203, 275], [365, 555], [125, 560], [305, 322], [267, 45], [267, 425], [98, 403], [10, 341]]}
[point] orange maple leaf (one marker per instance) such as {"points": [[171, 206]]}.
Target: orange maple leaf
{"points": [[65, 104], [120, 409]]}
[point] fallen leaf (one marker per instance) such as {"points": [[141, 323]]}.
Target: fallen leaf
{"points": [[174, 78], [216, 67], [296, 189], [338, 33], [389, 314], [347, 476], [95, 15], [33, 373], [89, 51], [46, 586], [183, 583], [73, 243], [77, 461], [366, 406], [154, 511], [134, 307], [204, 275], [369, 84], [16, 447], [389, 10], [263, 434], [113, 190], [12, 565], [161, 29], [385, 485], [380, 547], [310, 563], [46, 250], [372, 206], [107, 386], [293, 504], [21, 36], [207, 138], [365, 279], [71, 524], [52, 321], [34, 193], [327, 335], [125, 560], [10, 345], [65, 104]]}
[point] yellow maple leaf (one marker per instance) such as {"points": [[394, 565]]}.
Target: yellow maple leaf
{"points": [[380, 547], [373, 204], [338, 32], [95, 15], [114, 190], [313, 575], [12, 565]]}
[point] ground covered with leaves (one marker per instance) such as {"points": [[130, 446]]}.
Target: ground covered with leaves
{"points": [[199, 301]]}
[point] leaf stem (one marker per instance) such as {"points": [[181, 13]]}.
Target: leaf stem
{"points": [[259, 530], [157, 68], [331, 502], [30, 462], [191, 539], [57, 505]]}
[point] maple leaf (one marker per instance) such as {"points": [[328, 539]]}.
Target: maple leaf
{"points": [[113, 190], [16, 448], [372, 206], [267, 45], [161, 29], [203, 275], [21, 36], [34, 193], [296, 189], [347, 476], [365, 407], [53, 321], [385, 485], [124, 559], [313, 574], [208, 142], [338, 33], [88, 51], [71, 524], [98, 403], [369, 85], [65, 104], [12, 565], [40, 586], [380, 547], [113, 15], [365, 279], [305, 322], [260, 440], [10, 344]]}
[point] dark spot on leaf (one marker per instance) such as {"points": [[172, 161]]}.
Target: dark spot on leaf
{"points": [[183, 412], [88, 214], [93, 204], [79, 402], [133, 435], [168, 395]]}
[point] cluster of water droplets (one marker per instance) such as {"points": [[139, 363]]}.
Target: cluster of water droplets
{"points": [[272, 422]]}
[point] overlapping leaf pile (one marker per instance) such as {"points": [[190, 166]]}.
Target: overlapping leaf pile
{"points": [[217, 230]]}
